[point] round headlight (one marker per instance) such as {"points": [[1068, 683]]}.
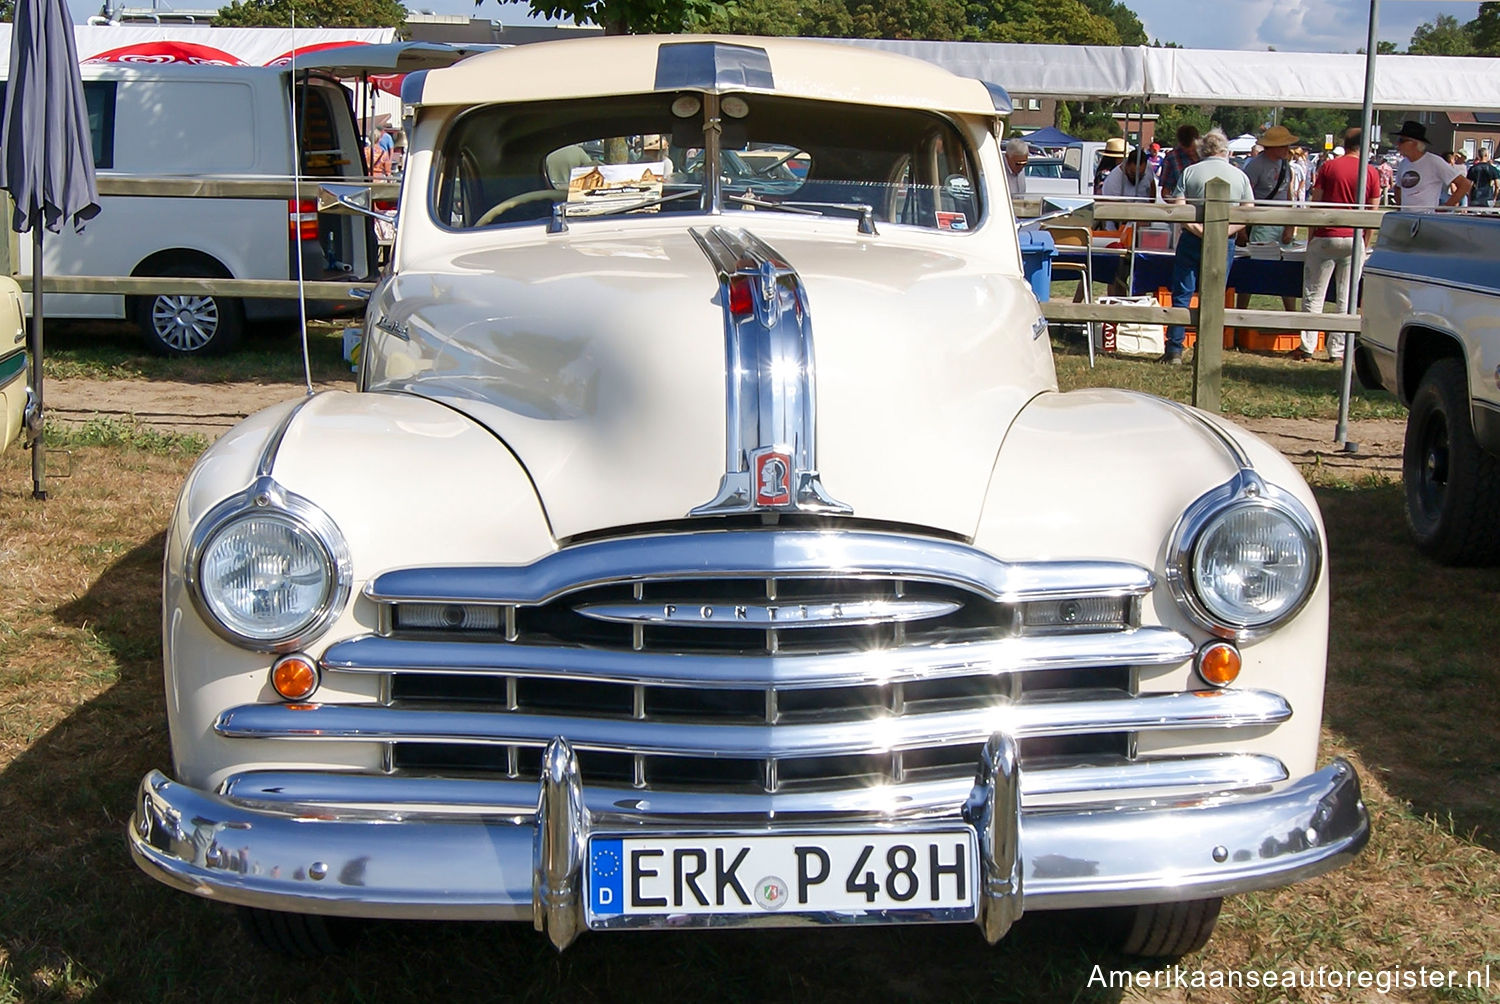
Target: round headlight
{"points": [[266, 577], [1253, 564]]}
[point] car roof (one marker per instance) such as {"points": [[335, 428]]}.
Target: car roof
{"points": [[639, 64]]}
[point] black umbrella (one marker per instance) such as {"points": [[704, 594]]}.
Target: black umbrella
{"points": [[48, 161]]}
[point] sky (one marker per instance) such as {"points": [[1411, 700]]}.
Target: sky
{"points": [[1287, 25]]}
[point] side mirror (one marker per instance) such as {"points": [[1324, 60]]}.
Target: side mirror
{"points": [[356, 199], [1080, 211]]}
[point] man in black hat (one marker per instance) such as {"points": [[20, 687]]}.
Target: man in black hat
{"points": [[1425, 180]]}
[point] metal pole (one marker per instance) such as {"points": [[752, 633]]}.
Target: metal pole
{"points": [[39, 444], [1357, 259]]}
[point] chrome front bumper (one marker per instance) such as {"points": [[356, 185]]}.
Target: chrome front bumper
{"points": [[524, 862]]}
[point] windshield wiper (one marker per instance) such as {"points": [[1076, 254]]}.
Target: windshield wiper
{"points": [[560, 214], [864, 209]]}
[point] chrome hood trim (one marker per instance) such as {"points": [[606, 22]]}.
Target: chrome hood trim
{"points": [[771, 381], [600, 360]]}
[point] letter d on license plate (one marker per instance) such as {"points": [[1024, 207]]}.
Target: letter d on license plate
{"points": [[682, 881]]}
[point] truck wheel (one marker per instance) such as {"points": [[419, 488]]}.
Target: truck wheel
{"points": [[1167, 930], [1452, 486], [296, 935], [189, 324]]}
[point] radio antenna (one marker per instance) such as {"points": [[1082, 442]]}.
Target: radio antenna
{"points": [[297, 156]]}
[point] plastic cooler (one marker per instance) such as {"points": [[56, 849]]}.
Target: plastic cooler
{"points": [[1037, 252]]}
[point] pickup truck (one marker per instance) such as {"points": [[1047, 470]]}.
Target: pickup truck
{"points": [[1432, 337]]}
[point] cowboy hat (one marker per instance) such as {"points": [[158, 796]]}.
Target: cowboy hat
{"points": [[1277, 135], [1413, 130]]}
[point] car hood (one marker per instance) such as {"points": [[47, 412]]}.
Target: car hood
{"points": [[600, 361]]}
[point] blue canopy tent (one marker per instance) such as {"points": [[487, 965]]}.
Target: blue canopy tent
{"points": [[1051, 136]]}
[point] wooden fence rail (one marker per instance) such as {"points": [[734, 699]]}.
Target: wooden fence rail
{"points": [[1210, 317]]}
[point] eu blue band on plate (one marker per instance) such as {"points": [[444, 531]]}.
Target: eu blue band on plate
{"points": [[606, 877]]}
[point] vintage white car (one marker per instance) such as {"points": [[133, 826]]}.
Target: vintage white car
{"points": [[711, 554], [14, 390]]}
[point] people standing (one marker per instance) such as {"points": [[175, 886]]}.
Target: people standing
{"points": [[1330, 250], [1178, 159], [1424, 180], [1188, 263], [1109, 158], [1131, 180], [1017, 154], [1485, 179], [1271, 176], [1301, 173]]}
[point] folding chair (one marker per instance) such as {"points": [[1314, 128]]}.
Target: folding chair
{"points": [[1077, 237]]}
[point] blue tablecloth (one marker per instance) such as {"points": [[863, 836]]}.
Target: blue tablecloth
{"points": [[1153, 269]]}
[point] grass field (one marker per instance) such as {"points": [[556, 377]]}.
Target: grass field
{"points": [[1411, 699]]}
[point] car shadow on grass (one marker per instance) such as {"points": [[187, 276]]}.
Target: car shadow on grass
{"points": [[79, 921], [1413, 682]]}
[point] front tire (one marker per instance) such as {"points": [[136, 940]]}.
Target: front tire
{"points": [[1452, 485], [1168, 930], [189, 324], [296, 935]]}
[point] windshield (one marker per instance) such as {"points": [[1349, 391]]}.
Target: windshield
{"points": [[510, 164]]}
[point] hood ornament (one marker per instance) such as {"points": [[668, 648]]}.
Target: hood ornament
{"points": [[771, 456]]}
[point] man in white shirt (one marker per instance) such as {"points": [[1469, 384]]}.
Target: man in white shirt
{"points": [[1017, 153], [1425, 180], [1131, 180]]}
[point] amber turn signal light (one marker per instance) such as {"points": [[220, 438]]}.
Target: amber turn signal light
{"points": [[294, 677], [1219, 663]]}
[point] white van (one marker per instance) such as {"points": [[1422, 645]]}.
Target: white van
{"points": [[211, 121]]}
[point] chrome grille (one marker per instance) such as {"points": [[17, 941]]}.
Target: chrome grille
{"points": [[754, 662]]}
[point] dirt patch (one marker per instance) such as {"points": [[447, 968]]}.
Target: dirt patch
{"points": [[209, 410], [204, 409], [1309, 443]]}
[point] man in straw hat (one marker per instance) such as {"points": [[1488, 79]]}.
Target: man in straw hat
{"points": [[1271, 180]]}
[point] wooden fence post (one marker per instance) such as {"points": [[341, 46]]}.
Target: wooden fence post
{"points": [[1213, 276]]}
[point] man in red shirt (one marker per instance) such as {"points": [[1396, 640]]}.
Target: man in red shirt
{"points": [[1177, 160], [1331, 249]]}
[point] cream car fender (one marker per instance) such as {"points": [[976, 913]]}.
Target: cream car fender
{"points": [[444, 491], [1134, 464]]}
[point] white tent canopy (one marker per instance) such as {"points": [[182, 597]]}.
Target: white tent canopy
{"points": [[1242, 144], [1216, 76]]}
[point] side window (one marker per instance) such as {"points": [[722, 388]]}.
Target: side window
{"points": [[99, 95]]}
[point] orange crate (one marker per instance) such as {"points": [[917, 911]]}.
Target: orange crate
{"points": [[1255, 340], [1164, 297]]}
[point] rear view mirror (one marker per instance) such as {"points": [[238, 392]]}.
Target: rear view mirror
{"points": [[357, 199]]}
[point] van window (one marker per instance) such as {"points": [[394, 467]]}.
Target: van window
{"points": [[99, 95], [322, 155]]}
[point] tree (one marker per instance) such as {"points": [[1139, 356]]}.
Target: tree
{"points": [[1127, 25], [1055, 22], [1442, 36], [1484, 30], [312, 14], [627, 17]]}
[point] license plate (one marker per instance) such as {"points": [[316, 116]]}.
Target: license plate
{"points": [[641, 881]]}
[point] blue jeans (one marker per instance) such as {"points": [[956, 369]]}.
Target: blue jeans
{"points": [[1185, 269]]}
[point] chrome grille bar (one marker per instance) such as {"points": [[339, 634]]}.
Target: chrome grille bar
{"points": [[1082, 713], [475, 796], [745, 554], [1147, 646]]}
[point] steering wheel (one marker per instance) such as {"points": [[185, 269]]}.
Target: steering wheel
{"points": [[501, 208]]}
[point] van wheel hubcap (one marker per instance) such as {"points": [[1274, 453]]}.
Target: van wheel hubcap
{"points": [[186, 323]]}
